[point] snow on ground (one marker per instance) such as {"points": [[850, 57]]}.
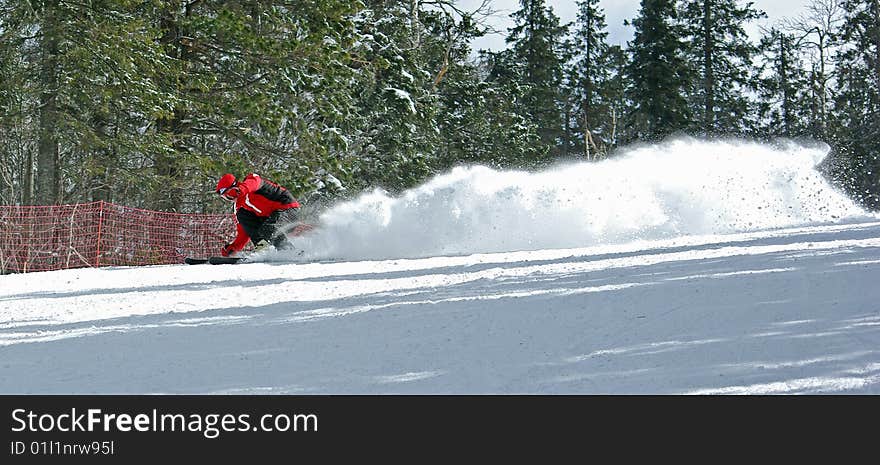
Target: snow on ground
{"points": [[683, 268]]}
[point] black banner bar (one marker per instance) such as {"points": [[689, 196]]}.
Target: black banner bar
{"points": [[228, 427]]}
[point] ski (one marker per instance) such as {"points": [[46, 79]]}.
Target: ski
{"points": [[252, 257], [213, 260], [224, 260]]}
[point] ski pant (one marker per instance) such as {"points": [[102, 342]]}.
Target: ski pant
{"points": [[272, 228]]}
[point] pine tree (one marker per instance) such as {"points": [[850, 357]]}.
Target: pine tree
{"points": [[476, 118], [782, 85], [396, 101], [48, 150], [613, 93], [262, 87], [537, 42], [480, 124], [16, 102], [590, 74], [84, 61], [657, 72], [856, 165], [721, 53]]}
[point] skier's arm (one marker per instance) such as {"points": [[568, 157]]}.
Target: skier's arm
{"points": [[251, 183], [240, 241]]}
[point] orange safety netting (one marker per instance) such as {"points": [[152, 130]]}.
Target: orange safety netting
{"points": [[42, 238]]}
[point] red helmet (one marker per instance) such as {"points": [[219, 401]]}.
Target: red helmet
{"points": [[227, 182]]}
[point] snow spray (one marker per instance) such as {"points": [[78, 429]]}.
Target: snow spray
{"points": [[677, 188]]}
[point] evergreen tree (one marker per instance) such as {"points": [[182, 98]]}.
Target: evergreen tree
{"points": [[721, 53], [856, 165], [590, 74], [657, 72], [83, 62], [396, 100], [480, 124], [477, 118], [263, 87], [16, 104], [782, 87], [537, 42], [48, 151], [145, 103], [613, 94]]}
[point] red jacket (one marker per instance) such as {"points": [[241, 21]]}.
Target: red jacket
{"points": [[262, 198]]}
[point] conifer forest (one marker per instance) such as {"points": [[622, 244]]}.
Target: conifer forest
{"points": [[146, 103]]}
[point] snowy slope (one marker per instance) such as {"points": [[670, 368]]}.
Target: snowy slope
{"points": [[689, 267]]}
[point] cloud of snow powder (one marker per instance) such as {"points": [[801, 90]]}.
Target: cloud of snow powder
{"points": [[678, 188]]}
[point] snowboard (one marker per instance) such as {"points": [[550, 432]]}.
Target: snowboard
{"points": [[213, 260]]}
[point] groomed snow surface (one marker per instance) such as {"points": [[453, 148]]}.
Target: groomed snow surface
{"points": [[682, 268]]}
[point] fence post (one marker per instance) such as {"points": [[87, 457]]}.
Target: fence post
{"points": [[28, 231], [100, 226]]}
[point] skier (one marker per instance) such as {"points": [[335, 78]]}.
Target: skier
{"points": [[262, 209]]}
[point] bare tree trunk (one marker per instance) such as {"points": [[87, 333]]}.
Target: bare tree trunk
{"points": [[588, 88], [815, 122], [100, 185], [823, 98], [27, 185], [22, 157], [709, 82], [614, 126], [415, 23], [47, 153], [567, 136], [6, 169], [876, 38], [58, 179], [786, 89], [8, 164], [587, 138], [166, 165]]}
